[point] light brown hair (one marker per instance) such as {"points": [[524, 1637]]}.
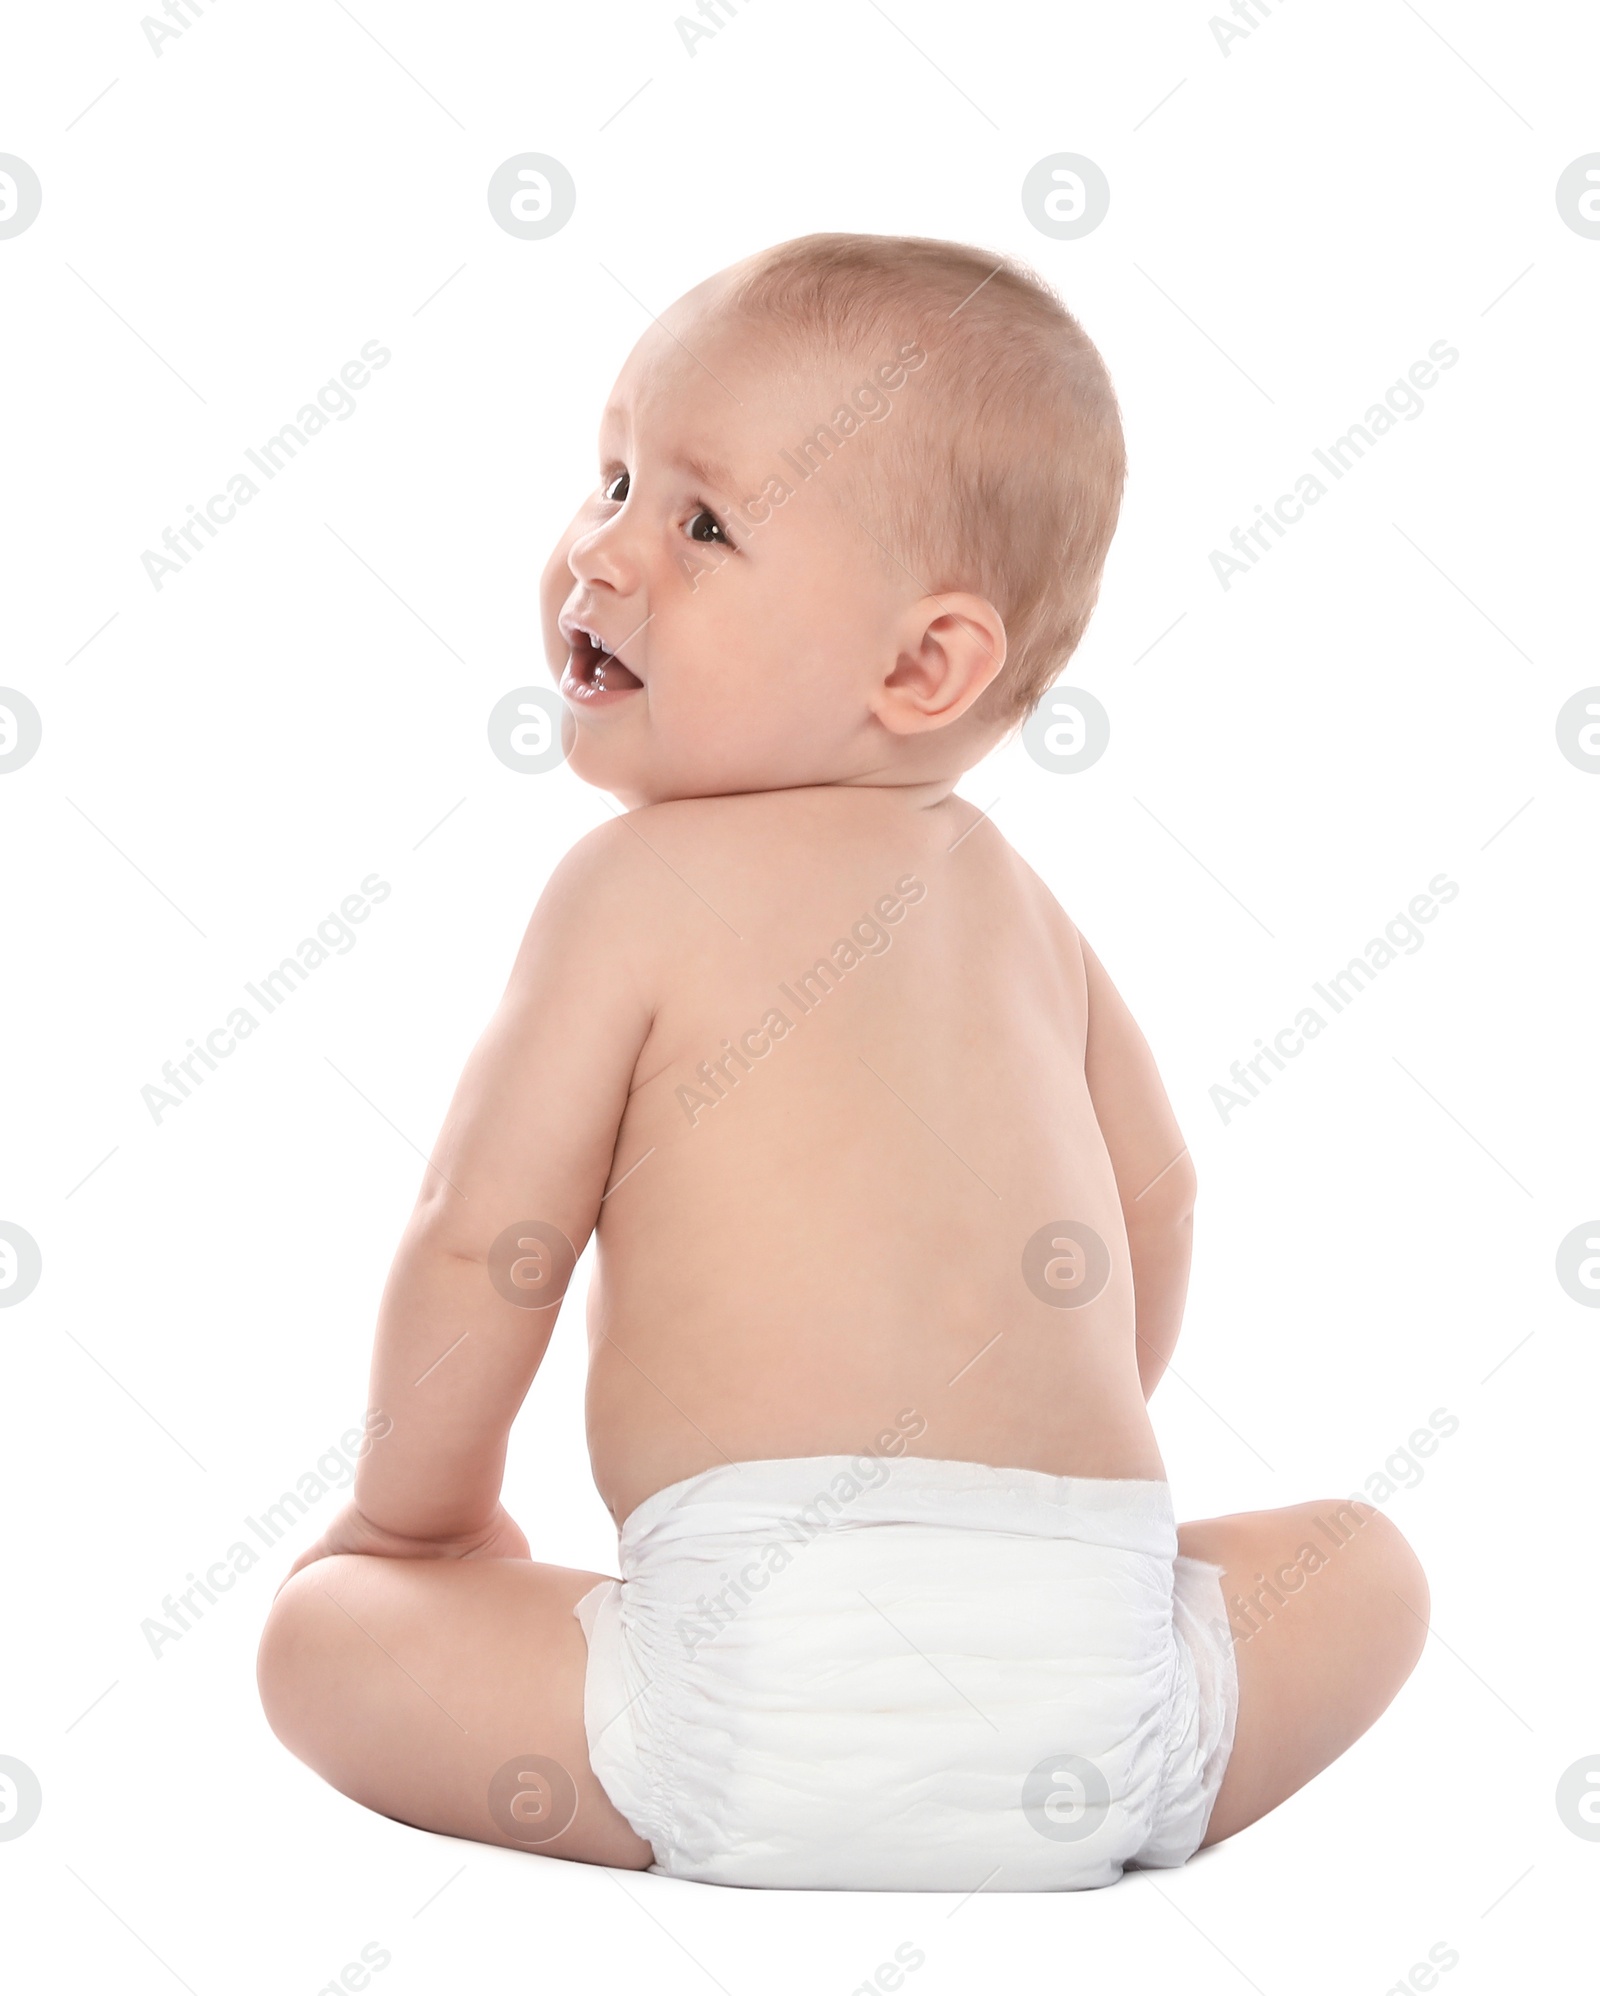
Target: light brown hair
{"points": [[1001, 470]]}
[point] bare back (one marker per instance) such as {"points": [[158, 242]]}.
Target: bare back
{"points": [[861, 1096], [813, 1244]]}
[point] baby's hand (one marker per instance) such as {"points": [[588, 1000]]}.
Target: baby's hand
{"points": [[353, 1531]]}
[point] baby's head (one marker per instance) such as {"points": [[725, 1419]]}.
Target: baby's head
{"points": [[855, 497]]}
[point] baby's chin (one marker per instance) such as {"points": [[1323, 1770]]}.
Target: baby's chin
{"points": [[638, 773]]}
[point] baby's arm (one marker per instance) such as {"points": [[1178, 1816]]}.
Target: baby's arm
{"points": [[1154, 1172], [529, 1137]]}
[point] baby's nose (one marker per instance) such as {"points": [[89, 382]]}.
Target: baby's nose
{"points": [[603, 558]]}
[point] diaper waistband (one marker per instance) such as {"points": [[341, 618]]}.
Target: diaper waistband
{"points": [[827, 1493]]}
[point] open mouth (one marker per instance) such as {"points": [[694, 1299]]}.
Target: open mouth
{"points": [[593, 668]]}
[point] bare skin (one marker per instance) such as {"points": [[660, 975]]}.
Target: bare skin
{"points": [[813, 1201]]}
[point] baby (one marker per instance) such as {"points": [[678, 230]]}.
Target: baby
{"points": [[893, 1213]]}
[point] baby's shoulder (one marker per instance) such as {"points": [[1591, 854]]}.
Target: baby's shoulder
{"points": [[626, 855], [1040, 898], [627, 877], [729, 833]]}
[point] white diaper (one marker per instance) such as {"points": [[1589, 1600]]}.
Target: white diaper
{"points": [[906, 1675]]}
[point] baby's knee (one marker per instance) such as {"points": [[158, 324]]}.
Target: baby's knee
{"points": [[298, 1652], [1386, 1553], [1392, 1580], [1394, 1562]]}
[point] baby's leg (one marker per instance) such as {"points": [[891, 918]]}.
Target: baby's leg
{"points": [[1329, 1610], [412, 1684]]}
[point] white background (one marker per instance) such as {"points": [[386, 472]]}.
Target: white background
{"points": [[1292, 225]]}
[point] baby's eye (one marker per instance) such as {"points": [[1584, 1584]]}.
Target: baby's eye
{"points": [[609, 489], [705, 526]]}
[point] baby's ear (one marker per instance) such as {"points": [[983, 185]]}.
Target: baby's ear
{"points": [[951, 648]]}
